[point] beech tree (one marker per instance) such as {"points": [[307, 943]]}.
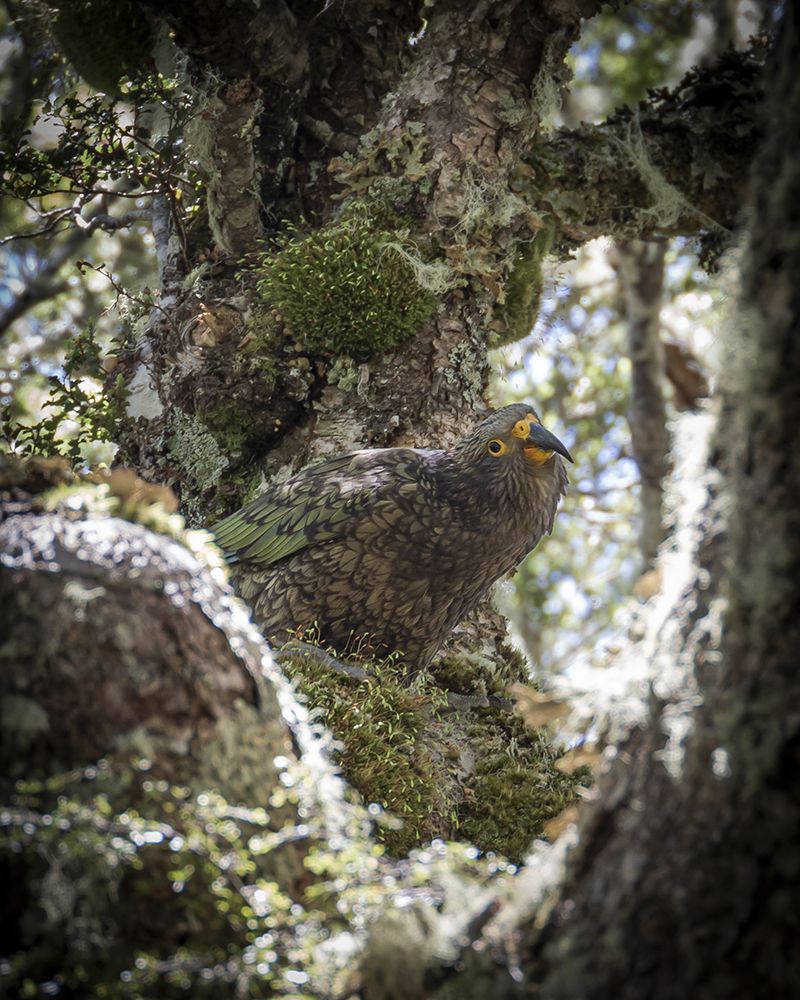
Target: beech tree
{"points": [[350, 206]]}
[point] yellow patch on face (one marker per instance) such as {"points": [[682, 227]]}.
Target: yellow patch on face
{"points": [[538, 455], [522, 428]]}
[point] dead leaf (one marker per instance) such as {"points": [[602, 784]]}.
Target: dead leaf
{"points": [[648, 584], [584, 756], [555, 827], [538, 709]]}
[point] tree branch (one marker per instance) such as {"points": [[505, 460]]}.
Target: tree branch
{"points": [[677, 164], [641, 273]]}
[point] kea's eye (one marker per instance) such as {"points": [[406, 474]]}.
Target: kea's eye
{"points": [[497, 447]]}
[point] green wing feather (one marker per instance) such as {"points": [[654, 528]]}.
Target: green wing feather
{"points": [[318, 504]]}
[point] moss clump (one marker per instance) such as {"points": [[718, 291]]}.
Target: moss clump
{"points": [[382, 722], [346, 289], [231, 427], [262, 342], [523, 292], [516, 788]]}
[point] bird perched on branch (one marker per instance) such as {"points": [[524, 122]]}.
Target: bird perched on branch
{"points": [[388, 549]]}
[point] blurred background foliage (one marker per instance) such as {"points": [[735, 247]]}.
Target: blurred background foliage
{"points": [[62, 143]]}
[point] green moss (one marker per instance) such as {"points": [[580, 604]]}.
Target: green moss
{"points": [[474, 673], [516, 788], [381, 723], [523, 292], [230, 426], [261, 341], [346, 288]]}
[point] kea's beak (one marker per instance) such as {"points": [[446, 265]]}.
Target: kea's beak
{"points": [[543, 439]]}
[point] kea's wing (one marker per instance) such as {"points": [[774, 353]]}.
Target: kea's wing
{"points": [[322, 502]]}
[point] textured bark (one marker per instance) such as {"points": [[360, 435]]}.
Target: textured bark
{"points": [[641, 270], [467, 76]]}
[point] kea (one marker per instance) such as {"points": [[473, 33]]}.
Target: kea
{"points": [[387, 549]]}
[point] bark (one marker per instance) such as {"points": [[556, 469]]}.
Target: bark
{"points": [[641, 270], [469, 93]]}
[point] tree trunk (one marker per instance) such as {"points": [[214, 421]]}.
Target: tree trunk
{"points": [[147, 687], [240, 379]]}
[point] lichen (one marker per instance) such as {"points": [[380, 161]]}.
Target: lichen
{"points": [[345, 288], [467, 368], [184, 863], [487, 208], [195, 449], [397, 154], [344, 374], [668, 203]]}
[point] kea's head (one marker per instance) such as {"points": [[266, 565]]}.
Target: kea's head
{"points": [[511, 445]]}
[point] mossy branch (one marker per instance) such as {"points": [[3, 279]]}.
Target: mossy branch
{"points": [[676, 164]]}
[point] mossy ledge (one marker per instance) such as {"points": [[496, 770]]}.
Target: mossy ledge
{"points": [[401, 748]]}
